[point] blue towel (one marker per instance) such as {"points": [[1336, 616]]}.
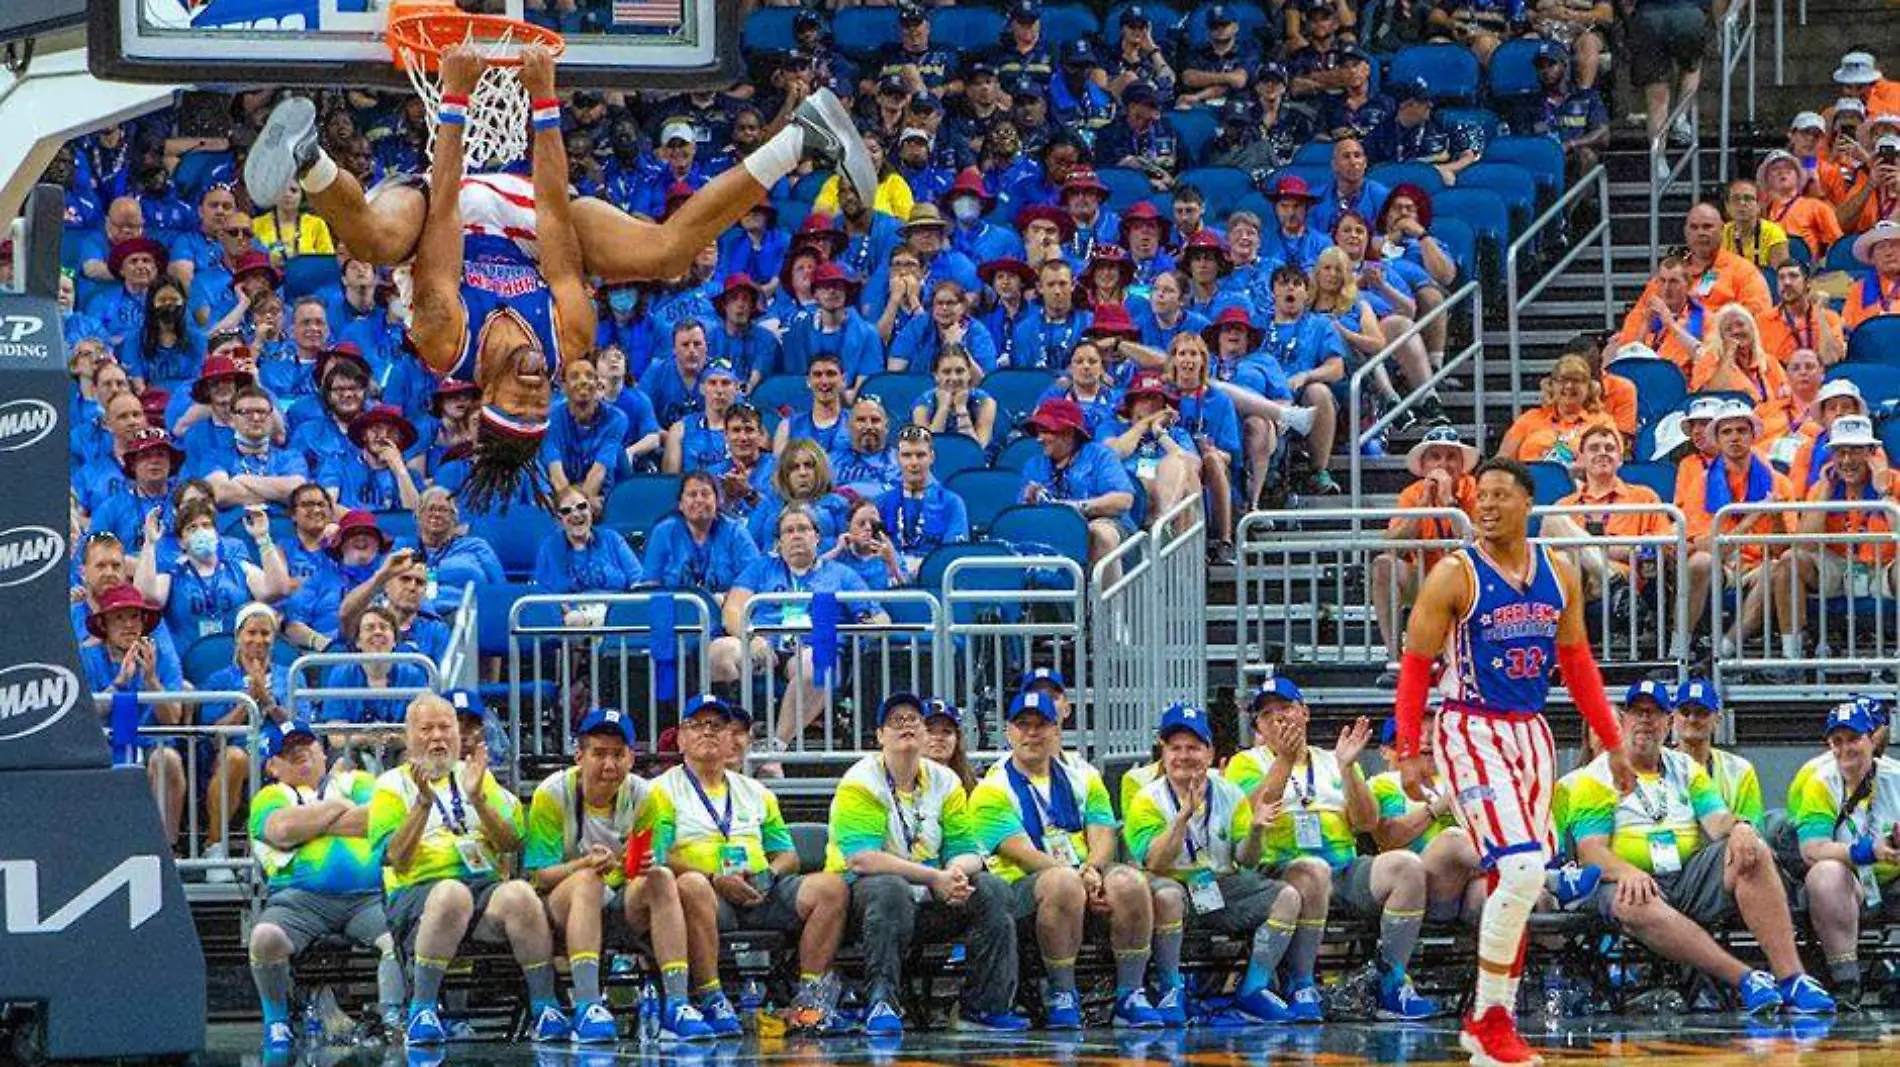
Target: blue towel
{"points": [[125, 728], [1716, 493], [824, 636], [663, 643], [1063, 809]]}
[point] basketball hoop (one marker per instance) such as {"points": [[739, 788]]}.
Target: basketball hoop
{"points": [[497, 131]]}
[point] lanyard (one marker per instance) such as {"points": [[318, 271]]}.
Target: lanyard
{"points": [[1207, 820], [1863, 794], [909, 820], [1305, 798], [458, 822], [722, 822], [296, 794], [1804, 333], [1657, 810], [910, 522]]}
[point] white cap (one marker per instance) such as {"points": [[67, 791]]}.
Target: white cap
{"points": [[1669, 435], [1807, 120], [1857, 68], [912, 133], [1851, 430], [1633, 350], [1840, 387], [679, 130], [1704, 407], [1779, 155], [1849, 103], [1885, 118]]}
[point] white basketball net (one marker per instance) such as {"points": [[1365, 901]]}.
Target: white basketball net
{"points": [[497, 130]]}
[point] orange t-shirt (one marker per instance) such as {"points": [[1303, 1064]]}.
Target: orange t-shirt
{"points": [[1838, 185], [1542, 434], [1801, 472], [1619, 399], [1870, 296], [1413, 496], [1783, 332], [1624, 524], [1641, 325], [1768, 381], [1730, 279], [1811, 220], [1847, 523], [1783, 416], [1692, 485]]}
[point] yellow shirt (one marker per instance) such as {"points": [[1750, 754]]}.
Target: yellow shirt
{"points": [[311, 239], [1754, 243]]}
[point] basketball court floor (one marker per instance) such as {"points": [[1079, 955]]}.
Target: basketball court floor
{"points": [[1866, 1039]]}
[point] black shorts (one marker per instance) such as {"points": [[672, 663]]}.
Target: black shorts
{"points": [[1666, 41], [404, 908]]}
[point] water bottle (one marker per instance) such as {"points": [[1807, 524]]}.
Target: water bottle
{"points": [[649, 1023], [751, 999], [1554, 998]]}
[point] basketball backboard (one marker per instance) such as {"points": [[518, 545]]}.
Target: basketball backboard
{"points": [[611, 44]]}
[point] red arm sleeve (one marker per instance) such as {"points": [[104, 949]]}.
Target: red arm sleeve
{"points": [[1586, 689], [1415, 680]]}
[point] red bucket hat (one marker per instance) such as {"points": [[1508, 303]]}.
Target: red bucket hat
{"points": [[218, 369], [121, 598], [736, 284], [152, 440], [448, 389], [1083, 180], [256, 263], [1058, 414], [817, 232], [833, 275], [341, 352], [1141, 212], [1147, 383], [969, 183], [1206, 243], [1112, 320], [353, 523], [1109, 257], [1291, 187], [1006, 265], [1055, 216], [1232, 316], [385, 415], [123, 250]]}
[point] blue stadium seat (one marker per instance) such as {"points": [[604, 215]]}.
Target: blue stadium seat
{"points": [[897, 392], [955, 452], [1423, 175], [1315, 175], [1016, 389], [1481, 209], [1658, 476], [515, 536], [769, 29], [1798, 251], [1659, 387], [1222, 186], [492, 605], [1197, 126], [1062, 23], [1460, 242], [1017, 453], [1511, 182], [930, 573], [1542, 156], [304, 275], [1482, 121], [1258, 205], [1875, 340], [1450, 69], [791, 213], [398, 523], [1553, 481], [1514, 68], [1250, 16], [862, 32], [985, 493], [1126, 186], [780, 391], [637, 504], [1044, 529], [1879, 382], [1841, 257], [1890, 437], [966, 28], [1161, 18], [206, 657], [1007, 583], [1314, 153]]}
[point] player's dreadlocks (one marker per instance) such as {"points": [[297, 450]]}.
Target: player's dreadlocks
{"points": [[506, 465]]}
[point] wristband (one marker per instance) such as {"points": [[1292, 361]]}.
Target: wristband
{"points": [[545, 115], [453, 111], [1862, 850]]}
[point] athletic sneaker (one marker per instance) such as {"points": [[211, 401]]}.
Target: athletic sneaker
{"points": [[831, 140], [716, 1011], [1171, 1005], [279, 1036], [1572, 884], [1065, 1011], [1805, 996], [594, 1025], [1306, 1006], [1759, 993], [1399, 1002], [1132, 1010], [425, 1028], [285, 148], [550, 1025], [1493, 1041], [883, 1020], [1263, 1005], [1001, 1022], [683, 1022]]}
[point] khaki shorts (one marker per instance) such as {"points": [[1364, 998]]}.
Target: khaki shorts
{"points": [[1841, 576]]}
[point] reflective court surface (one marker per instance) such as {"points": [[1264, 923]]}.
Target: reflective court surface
{"points": [[1869, 1039]]}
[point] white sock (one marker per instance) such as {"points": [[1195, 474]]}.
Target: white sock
{"points": [[1791, 646], [777, 157], [1296, 418], [1507, 910], [320, 175]]}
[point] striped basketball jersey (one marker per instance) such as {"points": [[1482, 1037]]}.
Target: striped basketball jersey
{"points": [[1503, 650], [501, 276]]}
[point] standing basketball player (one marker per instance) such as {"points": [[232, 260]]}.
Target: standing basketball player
{"points": [[1499, 612]]}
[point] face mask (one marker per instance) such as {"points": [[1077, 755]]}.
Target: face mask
{"points": [[252, 444], [967, 209], [623, 301], [201, 544]]}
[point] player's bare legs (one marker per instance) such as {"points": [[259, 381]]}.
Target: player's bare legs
{"points": [[553, 218], [383, 230]]}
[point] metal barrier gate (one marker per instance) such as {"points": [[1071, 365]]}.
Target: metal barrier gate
{"points": [[1004, 615], [192, 739], [1147, 633]]}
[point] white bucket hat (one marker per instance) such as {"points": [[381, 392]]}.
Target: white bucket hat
{"points": [[1840, 387], [1850, 430], [1669, 435], [1857, 68], [1438, 437]]}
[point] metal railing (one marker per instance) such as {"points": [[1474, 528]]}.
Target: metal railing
{"points": [[1181, 579], [567, 654], [188, 737], [1853, 605], [1004, 615], [1659, 162], [1636, 588], [461, 662], [296, 691], [1598, 181], [1738, 44], [1469, 296]]}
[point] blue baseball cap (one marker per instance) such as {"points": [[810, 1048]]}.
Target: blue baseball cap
{"points": [[1389, 733], [1045, 676], [709, 702], [1848, 716], [275, 735], [1180, 716], [1412, 91], [467, 704], [1698, 691], [1134, 15], [1035, 704], [1653, 690], [943, 709], [719, 368], [610, 721], [1279, 686], [1876, 708], [899, 700]]}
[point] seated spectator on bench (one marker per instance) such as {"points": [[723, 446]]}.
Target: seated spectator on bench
{"points": [[455, 558], [1079, 473], [1042, 819], [1299, 361], [1571, 111], [1676, 862], [697, 441], [803, 477], [824, 422], [401, 584], [444, 826], [373, 475], [1454, 882], [577, 852], [745, 471], [1086, 384], [102, 475], [201, 590], [345, 375], [1836, 400], [1394, 288], [125, 657], [900, 832], [1879, 248], [866, 548], [1553, 431], [1155, 451], [1801, 319], [1787, 420], [1736, 476], [150, 464], [1205, 876], [1600, 486], [309, 832], [1747, 234], [643, 444], [1210, 420], [255, 469], [1412, 133], [1666, 317], [1349, 190], [1732, 359], [698, 547], [1831, 568], [739, 340], [1442, 464], [1783, 179], [1844, 815], [254, 671], [956, 404], [866, 465], [948, 327], [919, 514], [1044, 340], [1697, 715], [585, 436], [1324, 803], [374, 633], [715, 826], [581, 557]]}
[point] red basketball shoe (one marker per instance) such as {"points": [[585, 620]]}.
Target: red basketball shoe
{"points": [[1493, 1041]]}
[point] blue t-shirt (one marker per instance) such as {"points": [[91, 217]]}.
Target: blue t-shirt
{"points": [[605, 565], [919, 526], [202, 605], [865, 474], [769, 574], [464, 561], [357, 485], [367, 709], [763, 525], [919, 342], [754, 349], [577, 446], [1045, 344], [231, 679], [1092, 471], [101, 670], [856, 343], [674, 558]]}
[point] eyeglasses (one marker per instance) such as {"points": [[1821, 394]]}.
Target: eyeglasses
{"points": [[252, 413], [908, 718], [702, 726], [575, 508]]}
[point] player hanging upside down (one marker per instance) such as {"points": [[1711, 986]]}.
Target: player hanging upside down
{"points": [[1500, 612], [493, 319]]}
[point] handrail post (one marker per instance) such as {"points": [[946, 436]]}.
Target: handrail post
{"points": [[1603, 215]]}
